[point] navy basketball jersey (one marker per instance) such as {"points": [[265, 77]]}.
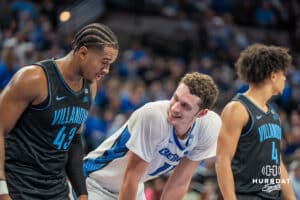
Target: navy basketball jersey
{"points": [[256, 163], [36, 149]]}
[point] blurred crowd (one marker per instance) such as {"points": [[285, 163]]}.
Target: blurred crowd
{"points": [[149, 68]]}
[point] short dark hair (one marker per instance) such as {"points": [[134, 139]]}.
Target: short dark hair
{"points": [[202, 86], [258, 61], [95, 35]]}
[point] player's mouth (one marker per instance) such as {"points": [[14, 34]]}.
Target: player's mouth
{"points": [[99, 76], [174, 116]]}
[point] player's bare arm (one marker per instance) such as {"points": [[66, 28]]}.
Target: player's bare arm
{"points": [[135, 168], [179, 181], [234, 118], [28, 86]]}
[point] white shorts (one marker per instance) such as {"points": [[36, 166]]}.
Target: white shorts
{"points": [[96, 191]]}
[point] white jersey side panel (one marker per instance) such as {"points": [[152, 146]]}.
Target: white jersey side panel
{"points": [[148, 134]]}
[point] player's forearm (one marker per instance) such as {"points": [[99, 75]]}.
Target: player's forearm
{"points": [[286, 186], [225, 179], [128, 190], [174, 193]]}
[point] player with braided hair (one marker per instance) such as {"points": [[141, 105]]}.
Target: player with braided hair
{"points": [[45, 105]]}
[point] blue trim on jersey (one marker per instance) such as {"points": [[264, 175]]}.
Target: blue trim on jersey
{"points": [[74, 195], [249, 112], [252, 123], [117, 150], [269, 109], [64, 82], [49, 90], [177, 140]]}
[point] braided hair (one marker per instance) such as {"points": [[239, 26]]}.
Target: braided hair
{"points": [[95, 35]]}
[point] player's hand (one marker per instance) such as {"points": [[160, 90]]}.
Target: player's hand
{"points": [[81, 197], [5, 197]]}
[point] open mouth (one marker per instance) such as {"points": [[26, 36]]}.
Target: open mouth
{"points": [[99, 76], [175, 116]]}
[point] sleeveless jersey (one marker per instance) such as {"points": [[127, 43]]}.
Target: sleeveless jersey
{"points": [[36, 148], [256, 163], [148, 134]]}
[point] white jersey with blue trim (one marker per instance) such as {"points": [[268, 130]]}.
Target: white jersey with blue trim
{"points": [[148, 134]]}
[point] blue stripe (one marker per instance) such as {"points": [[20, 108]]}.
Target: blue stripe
{"points": [[118, 150], [177, 141], [74, 195]]}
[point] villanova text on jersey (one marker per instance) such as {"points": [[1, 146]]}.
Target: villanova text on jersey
{"points": [[69, 115], [268, 131]]}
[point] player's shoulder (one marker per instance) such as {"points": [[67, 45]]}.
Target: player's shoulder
{"points": [[154, 110], [28, 83], [234, 108], [210, 117], [31, 74]]}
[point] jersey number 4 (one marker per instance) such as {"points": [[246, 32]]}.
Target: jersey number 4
{"points": [[274, 153], [63, 139]]}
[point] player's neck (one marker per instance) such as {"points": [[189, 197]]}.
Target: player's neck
{"points": [[259, 96], [69, 68], [70, 72], [182, 132]]}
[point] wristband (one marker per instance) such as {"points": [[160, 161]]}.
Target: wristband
{"points": [[3, 187]]}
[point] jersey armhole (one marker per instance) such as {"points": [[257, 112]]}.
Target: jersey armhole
{"points": [[46, 103], [248, 127]]}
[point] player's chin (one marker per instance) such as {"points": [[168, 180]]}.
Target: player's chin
{"points": [[94, 79], [281, 91], [173, 121]]}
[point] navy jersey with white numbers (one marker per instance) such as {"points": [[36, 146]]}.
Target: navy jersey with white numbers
{"points": [[36, 148], [256, 163]]}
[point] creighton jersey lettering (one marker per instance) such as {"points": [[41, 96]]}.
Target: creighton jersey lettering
{"points": [[170, 156]]}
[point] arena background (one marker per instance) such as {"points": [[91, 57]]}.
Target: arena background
{"points": [[160, 40]]}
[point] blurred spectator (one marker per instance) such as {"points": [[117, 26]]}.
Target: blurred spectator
{"points": [[295, 177], [133, 96], [8, 65], [264, 15]]}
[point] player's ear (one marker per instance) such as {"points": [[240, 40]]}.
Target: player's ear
{"points": [[273, 75], [202, 112], [83, 51]]}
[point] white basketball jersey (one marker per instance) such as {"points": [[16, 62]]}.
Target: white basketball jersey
{"points": [[148, 134]]}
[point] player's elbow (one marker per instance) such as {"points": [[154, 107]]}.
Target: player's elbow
{"points": [[222, 161]]}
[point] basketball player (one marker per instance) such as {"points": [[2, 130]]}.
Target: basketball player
{"points": [[160, 137], [42, 110], [249, 165]]}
